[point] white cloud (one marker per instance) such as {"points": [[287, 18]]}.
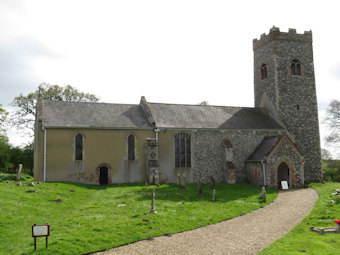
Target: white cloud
{"points": [[169, 51]]}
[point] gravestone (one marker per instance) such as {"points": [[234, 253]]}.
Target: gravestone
{"points": [[183, 180], [264, 194], [19, 172], [213, 196], [178, 179]]}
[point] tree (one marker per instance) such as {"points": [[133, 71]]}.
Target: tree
{"points": [[24, 117], [325, 154], [204, 103], [333, 122], [3, 123]]}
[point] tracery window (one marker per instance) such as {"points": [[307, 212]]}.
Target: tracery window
{"points": [[263, 71], [182, 150], [295, 67], [79, 147], [131, 147]]}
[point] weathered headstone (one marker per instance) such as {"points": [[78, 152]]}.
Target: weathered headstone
{"points": [[183, 181], [264, 194], [337, 229], [19, 172], [178, 179], [156, 177], [152, 210]]}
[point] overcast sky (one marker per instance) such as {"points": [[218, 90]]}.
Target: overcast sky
{"points": [[168, 51]]}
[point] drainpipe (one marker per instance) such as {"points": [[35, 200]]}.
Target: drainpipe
{"points": [[264, 173], [43, 128], [156, 132]]}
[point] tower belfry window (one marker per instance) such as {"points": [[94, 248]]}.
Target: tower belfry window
{"points": [[295, 67], [263, 71]]}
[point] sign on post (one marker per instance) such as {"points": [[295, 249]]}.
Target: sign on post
{"points": [[40, 231], [284, 184]]}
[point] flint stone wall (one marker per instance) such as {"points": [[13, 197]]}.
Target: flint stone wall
{"points": [[284, 152], [209, 153], [294, 96]]}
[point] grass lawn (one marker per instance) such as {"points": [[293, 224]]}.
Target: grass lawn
{"points": [[301, 240], [87, 218]]}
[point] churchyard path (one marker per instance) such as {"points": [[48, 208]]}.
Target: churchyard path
{"points": [[247, 234]]}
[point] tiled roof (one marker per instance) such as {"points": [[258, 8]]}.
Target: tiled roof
{"points": [[207, 116], [101, 115], [264, 148]]}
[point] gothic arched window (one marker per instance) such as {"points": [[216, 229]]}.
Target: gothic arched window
{"points": [[131, 147], [182, 150], [263, 71], [79, 147], [295, 67]]}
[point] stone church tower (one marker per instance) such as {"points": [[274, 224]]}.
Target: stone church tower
{"points": [[284, 83]]}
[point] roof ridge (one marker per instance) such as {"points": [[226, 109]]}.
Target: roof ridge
{"points": [[80, 102], [224, 106]]}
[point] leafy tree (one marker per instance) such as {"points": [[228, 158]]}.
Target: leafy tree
{"points": [[24, 117], [4, 153], [204, 103], [3, 123], [325, 154], [331, 170], [333, 122]]}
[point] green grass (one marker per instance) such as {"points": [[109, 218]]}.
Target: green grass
{"points": [[301, 240], [89, 219]]}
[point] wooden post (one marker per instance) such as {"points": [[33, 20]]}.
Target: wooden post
{"points": [[199, 187], [40, 231], [213, 198], [212, 182]]}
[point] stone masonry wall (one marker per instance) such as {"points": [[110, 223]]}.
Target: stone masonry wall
{"points": [[208, 152], [285, 152], [294, 96]]}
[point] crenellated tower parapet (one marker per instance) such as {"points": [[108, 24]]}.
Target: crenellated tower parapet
{"points": [[276, 34], [284, 84]]}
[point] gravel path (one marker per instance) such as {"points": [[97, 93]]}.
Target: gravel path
{"points": [[247, 234]]}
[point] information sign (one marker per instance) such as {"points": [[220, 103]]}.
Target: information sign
{"points": [[284, 184]]}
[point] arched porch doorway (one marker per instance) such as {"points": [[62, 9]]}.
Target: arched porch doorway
{"points": [[283, 174]]}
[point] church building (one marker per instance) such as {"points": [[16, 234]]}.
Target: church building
{"points": [[277, 140]]}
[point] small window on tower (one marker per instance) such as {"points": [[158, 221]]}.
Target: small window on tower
{"points": [[295, 67], [263, 71]]}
